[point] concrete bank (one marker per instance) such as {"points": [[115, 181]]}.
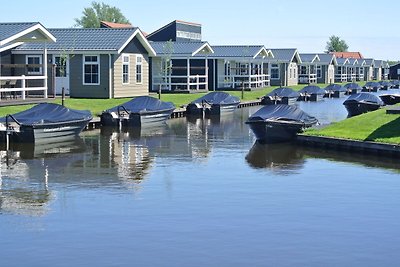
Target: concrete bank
{"points": [[349, 145]]}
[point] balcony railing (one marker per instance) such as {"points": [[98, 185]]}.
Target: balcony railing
{"points": [[308, 78], [245, 81], [180, 83]]}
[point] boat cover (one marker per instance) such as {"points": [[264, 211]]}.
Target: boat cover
{"points": [[396, 82], [335, 88], [385, 83], [284, 92], [217, 98], [143, 103], [282, 112], [364, 98], [352, 86], [49, 113], [372, 85], [312, 89]]}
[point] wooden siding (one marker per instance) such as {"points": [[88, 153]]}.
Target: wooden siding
{"points": [[132, 88]]}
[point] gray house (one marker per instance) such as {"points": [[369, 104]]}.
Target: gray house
{"points": [[308, 68], [326, 68], [369, 69], [284, 66], [94, 63], [240, 66], [180, 66], [19, 78], [341, 70], [351, 69], [378, 67], [359, 69]]}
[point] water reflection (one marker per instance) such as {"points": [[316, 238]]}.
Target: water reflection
{"points": [[284, 158]]}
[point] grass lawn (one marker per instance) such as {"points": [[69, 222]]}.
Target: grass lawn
{"points": [[373, 126]]}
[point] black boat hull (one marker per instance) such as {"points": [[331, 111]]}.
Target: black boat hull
{"points": [[45, 133], [198, 109], [357, 108], [275, 132], [390, 99], [135, 119]]}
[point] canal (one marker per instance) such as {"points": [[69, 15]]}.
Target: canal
{"points": [[198, 193]]}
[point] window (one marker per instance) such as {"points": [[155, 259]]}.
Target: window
{"points": [[139, 64], [227, 68], [303, 70], [91, 68], [125, 69], [275, 72], [34, 60], [319, 71], [290, 73]]}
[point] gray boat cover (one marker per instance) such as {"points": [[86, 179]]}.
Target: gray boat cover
{"points": [[312, 89], [48, 113], [396, 82], [355, 86], [142, 104], [217, 98], [282, 112], [335, 88], [372, 85], [385, 83], [364, 98], [284, 92]]}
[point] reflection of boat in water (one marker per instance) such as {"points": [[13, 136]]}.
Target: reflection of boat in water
{"points": [[279, 123], [44, 123], [283, 158], [214, 103], [138, 112], [282, 95], [359, 103]]}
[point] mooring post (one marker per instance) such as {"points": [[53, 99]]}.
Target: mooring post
{"points": [[62, 96]]}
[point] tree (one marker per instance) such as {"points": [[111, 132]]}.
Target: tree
{"points": [[100, 12], [335, 44]]}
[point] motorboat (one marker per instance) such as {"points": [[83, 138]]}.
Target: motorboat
{"points": [[352, 88], [311, 93], [335, 90], [390, 99], [214, 103], [43, 123], [371, 87], [359, 103], [138, 112], [279, 123], [385, 85], [281, 95]]}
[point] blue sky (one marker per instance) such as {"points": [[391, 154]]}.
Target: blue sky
{"points": [[368, 26]]}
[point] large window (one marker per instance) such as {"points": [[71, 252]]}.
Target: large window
{"points": [[227, 68], [319, 71], [34, 61], [125, 69], [275, 72], [91, 70], [139, 65]]}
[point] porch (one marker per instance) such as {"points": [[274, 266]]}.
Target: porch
{"points": [[307, 74]]}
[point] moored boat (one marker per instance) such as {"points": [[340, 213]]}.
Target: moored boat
{"points": [[281, 95], [385, 85], [359, 103], [396, 84], [390, 99], [279, 123], [311, 93], [371, 87], [138, 112], [43, 123], [352, 88], [335, 90], [214, 103]]}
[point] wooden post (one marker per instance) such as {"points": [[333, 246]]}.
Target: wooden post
{"points": [[63, 96]]}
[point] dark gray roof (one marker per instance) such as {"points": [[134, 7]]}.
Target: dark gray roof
{"points": [[78, 39], [352, 61], [360, 62], [8, 30], [177, 48], [325, 59], [378, 63], [369, 61], [284, 55], [226, 51], [307, 58], [341, 60]]}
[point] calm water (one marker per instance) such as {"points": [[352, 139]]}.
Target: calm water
{"points": [[198, 193]]}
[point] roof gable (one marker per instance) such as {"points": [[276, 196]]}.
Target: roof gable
{"points": [[285, 55], [184, 49], [24, 32], [309, 58], [327, 59], [342, 61], [240, 51]]}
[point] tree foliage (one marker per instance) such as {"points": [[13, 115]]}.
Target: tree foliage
{"points": [[335, 44], [100, 12]]}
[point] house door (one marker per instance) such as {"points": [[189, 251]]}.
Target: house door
{"points": [[62, 74]]}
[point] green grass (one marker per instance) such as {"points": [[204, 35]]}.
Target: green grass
{"points": [[373, 126]]}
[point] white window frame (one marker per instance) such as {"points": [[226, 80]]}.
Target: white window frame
{"points": [[39, 72], [126, 62], [139, 63], [275, 67], [84, 63], [319, 71]]}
